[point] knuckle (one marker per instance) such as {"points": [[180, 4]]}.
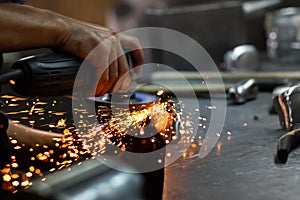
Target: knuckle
{"points": [[103, 50], [93, 39], [135, 41], [106, 48], [113, 40]]}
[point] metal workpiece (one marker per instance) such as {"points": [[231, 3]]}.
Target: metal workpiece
{"points": [[242, 58], [91, 180], [243, 92]]}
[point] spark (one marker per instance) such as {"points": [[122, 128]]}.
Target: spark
{"points": [[7, 96], [160, 92], [42, 157], [14, 165], [61, 123], [15, 183], [31, 110], [15, 176], [25, 183], [6, 178], [13, 105], [14, 141], [219, 145], [59, 113], [76, 145]]}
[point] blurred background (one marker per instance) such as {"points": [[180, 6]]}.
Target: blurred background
{"points": [[240, 36], [218, 25]]}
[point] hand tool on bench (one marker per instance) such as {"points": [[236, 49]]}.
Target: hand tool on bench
{"points": [[287, 106]]}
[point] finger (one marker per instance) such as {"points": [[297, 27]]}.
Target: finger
{"points": [[137, 59], [134, 45], [123, 83], [123, 67], [100, 61], [137, 54], [110, 76], [122, 61], [113, 73], [113, 68], [102, 83], [113, 61]]}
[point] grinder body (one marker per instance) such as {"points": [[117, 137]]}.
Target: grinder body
{"points": [[46, 75]]}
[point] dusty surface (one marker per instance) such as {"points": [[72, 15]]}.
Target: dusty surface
{"points": [[243, 168]]}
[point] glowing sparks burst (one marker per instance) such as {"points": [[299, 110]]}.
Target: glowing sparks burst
{"points": [[120, 127], [61, 123], [71, 151], [92, 139], [66, 151]]}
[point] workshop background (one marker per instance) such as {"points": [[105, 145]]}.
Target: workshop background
{"points": [[256, 47]]}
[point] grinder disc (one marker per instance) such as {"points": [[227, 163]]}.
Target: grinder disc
{"points": [[159, 125], [118, 99]]}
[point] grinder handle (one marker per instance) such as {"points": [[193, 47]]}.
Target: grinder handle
{"points": [[47, 75], [286, 144]]}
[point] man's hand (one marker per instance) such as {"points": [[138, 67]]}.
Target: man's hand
{"points": [[107, 52]]}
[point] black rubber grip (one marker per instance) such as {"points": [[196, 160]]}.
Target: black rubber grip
{"points": [[286, 144], [51, 74]]}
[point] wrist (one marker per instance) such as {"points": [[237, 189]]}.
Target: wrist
{"points": [[58, 29]]}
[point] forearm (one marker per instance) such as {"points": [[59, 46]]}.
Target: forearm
{"points": [[25, 27]]}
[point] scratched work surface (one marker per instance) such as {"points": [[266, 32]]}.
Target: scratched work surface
{"points": [[242, 165]]}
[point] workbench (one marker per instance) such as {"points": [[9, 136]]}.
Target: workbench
{"points": [[242, 165]]}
